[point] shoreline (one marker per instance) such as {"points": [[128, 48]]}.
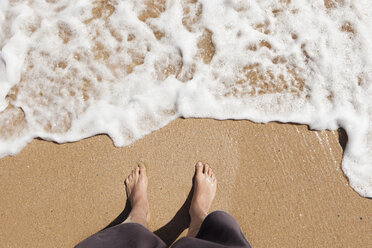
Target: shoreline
{"points": [[282, 182]]}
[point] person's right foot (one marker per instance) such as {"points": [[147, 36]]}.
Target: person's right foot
{"points": [[205, 186]]}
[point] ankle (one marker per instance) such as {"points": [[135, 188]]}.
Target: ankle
{"points": [[139, 202], [138, 216], [199, 218], [195, 223], [194, 228]]}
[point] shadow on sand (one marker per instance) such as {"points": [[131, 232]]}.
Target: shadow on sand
{"points": [[170, 231]]}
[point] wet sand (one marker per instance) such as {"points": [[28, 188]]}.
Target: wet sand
{"points": [[282, 182]]}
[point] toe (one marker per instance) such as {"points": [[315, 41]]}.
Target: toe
{"points": [[210, 172], [142, 168], [206, 168], [136, 172], [213, 177], [199, 168]]}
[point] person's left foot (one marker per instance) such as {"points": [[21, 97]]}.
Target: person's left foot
{"points": [[136, 186]]}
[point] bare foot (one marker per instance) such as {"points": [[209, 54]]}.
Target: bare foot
{"points": [[205, 186], [136, 185]]}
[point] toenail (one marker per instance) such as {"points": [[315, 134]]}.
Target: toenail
{"points": [[199, 164]]}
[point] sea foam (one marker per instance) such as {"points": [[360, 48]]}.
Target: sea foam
{"points": [[70, 69]]}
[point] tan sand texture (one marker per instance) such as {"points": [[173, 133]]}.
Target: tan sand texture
{"points": [[282, 182]]}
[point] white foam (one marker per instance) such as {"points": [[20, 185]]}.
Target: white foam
{"points": [[73, 69]]}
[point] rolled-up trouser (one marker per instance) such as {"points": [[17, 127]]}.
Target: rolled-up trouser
{"points": [[219, 229]]}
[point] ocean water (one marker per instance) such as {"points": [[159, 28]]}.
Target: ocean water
{"points": [[70, 69]]}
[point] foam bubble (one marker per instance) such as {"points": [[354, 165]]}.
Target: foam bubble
{"points": [[73, 69]]}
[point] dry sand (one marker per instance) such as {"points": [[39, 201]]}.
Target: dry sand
{"points": [[282, 182]]}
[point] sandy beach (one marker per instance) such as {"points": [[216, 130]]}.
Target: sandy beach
{"points": [[283, 183]]}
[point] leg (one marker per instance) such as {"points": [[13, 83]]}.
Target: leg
{"points": [[218, 230], [123, 235], [136, 185], [205, 185], [220, 227], [132, 232]]}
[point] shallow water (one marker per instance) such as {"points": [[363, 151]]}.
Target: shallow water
{"points": [[73, 69]]}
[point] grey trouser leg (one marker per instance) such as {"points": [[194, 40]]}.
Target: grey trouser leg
{"points": [[123, 235], [219, 229]]}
